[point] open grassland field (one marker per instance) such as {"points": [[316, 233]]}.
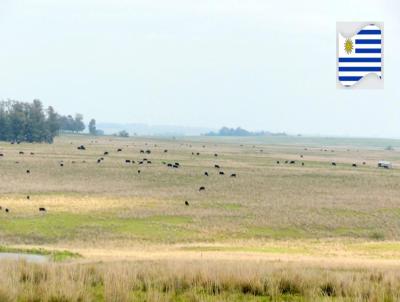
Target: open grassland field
{"points": [[275, 231]]}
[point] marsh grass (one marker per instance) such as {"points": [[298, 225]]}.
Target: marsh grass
{"points": [[194, 281]]}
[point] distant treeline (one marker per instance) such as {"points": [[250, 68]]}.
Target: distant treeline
{"points": [[21, 121], [225, 131]]}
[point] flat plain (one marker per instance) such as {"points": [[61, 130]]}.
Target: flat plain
{"points": [[298, 222]]}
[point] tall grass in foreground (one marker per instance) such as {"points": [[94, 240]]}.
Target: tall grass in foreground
{"points": [[194, 281]]}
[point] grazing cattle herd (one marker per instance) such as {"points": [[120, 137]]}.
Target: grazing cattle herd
{"points": [[174, 165]]}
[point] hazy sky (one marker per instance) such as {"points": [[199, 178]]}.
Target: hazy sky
{"points": [[262, 65]]}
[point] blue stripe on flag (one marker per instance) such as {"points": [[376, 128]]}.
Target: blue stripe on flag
{"points": [[369, 32], [368, 50], [359, 68], [368, 41], [363, 60], [351, 79]]}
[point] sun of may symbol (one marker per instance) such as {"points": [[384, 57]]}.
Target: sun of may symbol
{"points": [[348, 46]]}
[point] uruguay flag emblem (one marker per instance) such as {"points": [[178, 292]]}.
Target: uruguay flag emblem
{"points": [[360, 55]]}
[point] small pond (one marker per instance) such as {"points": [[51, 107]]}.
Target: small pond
{"points": [[22, 256]]}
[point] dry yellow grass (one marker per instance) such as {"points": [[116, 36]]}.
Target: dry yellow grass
{"points": [[192, 280]]}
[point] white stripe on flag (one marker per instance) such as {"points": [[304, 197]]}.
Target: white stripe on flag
{"points": [[358, 64]]}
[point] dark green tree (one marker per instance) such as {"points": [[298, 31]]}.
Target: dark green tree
{"points": [[92, 127], [29, 122], [53, 124], [123, 133], [79, 125], [36, 130], [18, 120], [4, 129]]}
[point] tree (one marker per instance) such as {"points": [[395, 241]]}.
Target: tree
{"points": [[53, 124], [20, 121], [123, 133], [35, 122], [17, 121], [29, 122], [92, 127], [79, 126], [4, 129]]}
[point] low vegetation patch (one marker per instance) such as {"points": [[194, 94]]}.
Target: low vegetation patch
{"points": [[58, 226], [275, 233]]}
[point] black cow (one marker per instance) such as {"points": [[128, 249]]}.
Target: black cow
{"points": [[221, 173], [99, 161], [28, 171], [206, 173], [42, 210], [292, 162], [169, 165], [106, 153], [28, 197], [333, 163], [138, 171], [302, 164], [128, 161], [217, 166], [21, 152], [215, 154], [202, 189], [354, 165], [186, 203], [165, 151], [61, 165], [7, 210], [119, 150], [233, 175], [277, 162]]}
